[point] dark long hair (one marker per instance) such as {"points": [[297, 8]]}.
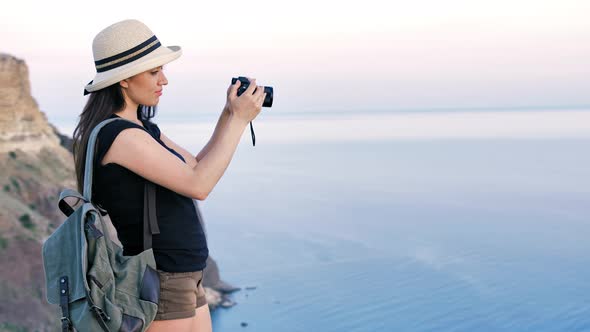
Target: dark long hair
{"points": [[101, 104]]}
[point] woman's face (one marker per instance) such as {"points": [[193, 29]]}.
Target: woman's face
{"points": [[145, 88]]}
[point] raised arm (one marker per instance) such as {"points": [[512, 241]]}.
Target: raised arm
{"points": [[137, 151], [219, 131], [221, 125]]}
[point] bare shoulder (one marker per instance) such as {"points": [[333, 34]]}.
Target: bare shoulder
{"points": [[188, 156], [138, 151]]}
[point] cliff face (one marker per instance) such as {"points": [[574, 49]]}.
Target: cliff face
{"points": [[36, 164], [34, 168], [22, 125]]}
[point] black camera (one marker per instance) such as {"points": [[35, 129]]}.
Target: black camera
{"points": [[245, 83]]}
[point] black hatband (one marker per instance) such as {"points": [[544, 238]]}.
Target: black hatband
{"points": [[128, 56]]}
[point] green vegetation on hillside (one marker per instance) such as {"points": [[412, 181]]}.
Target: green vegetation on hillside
{"points": [[8, 327], [26, 221]]}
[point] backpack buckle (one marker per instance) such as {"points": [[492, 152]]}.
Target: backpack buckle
{"points": [[66, 324]]}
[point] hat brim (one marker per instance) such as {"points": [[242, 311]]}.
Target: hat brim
{"points": [[159, 57]]}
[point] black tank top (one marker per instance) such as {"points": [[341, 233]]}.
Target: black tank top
{"points": [[181, 245]]}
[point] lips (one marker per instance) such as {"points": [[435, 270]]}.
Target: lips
{"points": [[159, 92]]}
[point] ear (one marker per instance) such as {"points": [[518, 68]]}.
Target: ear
{"points": [[124, 84]]}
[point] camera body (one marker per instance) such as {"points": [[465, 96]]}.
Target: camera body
{"points": [[244, 85]]}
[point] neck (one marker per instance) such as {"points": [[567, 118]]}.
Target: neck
{"points": [[130, 111]]}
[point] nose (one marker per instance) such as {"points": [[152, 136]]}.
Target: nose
{"points": [[163, 80]]}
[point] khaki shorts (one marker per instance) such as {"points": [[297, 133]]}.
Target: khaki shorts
{"points": [[180, 294]]}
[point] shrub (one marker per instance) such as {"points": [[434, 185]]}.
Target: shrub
{"points": [[15, 183], [26, 221]]}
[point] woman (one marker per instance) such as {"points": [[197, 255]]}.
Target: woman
{"points": [[129, 61]]}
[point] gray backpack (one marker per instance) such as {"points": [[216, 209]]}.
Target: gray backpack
{"points": [[86, 273]]}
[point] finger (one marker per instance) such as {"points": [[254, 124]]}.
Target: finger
{"points": [[251, 87], [257, 95], [259, 91], [260, 101], [234, 88]]}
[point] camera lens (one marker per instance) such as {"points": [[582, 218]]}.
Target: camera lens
{"points": [[269, 96]]}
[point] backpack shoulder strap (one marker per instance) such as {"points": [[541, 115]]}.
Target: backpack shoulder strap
{"points": [[149, 215], [64, 206], [90, 151], [150, 221]]}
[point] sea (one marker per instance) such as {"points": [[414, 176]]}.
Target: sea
{"points": [[428, 220]]}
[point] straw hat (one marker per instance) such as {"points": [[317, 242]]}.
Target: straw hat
{"points": [[124, 49]]}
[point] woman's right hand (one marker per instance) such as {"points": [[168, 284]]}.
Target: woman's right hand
{"points": [[249, 104]]}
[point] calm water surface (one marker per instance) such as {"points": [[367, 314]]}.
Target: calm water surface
{"points": [[447, 234]]}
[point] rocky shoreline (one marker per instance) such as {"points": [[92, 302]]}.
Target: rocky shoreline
{"points": [[217, 291]]}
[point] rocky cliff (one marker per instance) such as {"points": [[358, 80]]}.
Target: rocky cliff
{"points": [[22, 126], [36, 164]]}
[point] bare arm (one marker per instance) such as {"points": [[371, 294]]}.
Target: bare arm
{"points": [[219, 131], [221, 125], [186, 155], [137, 151], [212, 166]]}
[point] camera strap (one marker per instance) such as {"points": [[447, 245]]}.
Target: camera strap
{"points": [[253, 136]]}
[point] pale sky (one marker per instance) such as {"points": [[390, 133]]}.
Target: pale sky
{"points": [[322, 55]]}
